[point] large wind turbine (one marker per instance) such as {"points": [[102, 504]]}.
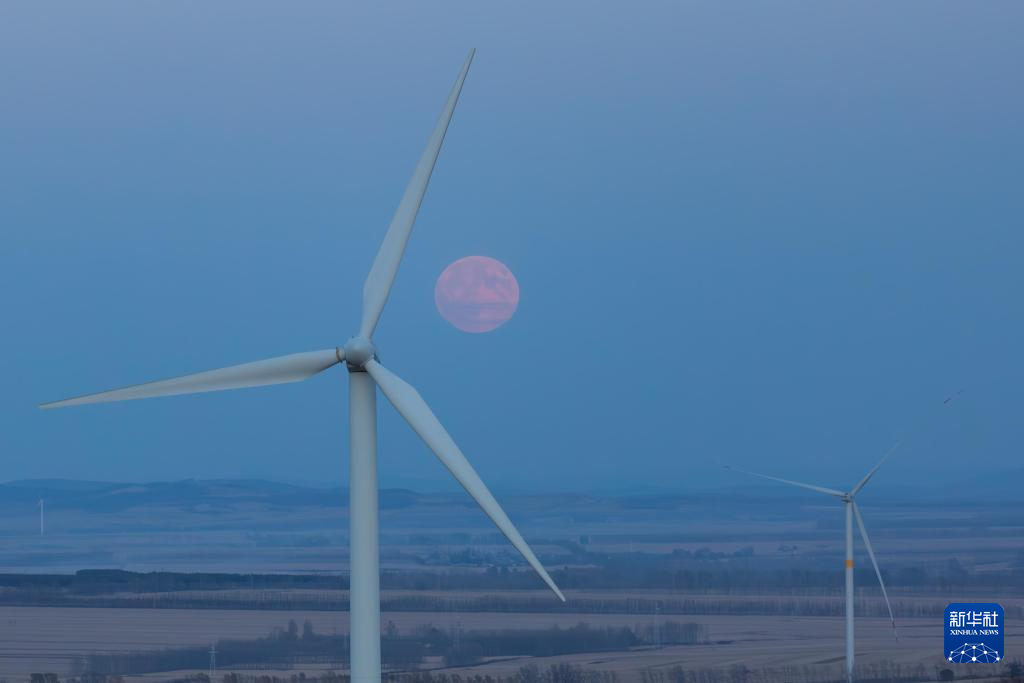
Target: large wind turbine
{"points": [[852, 512], [366, 374]]}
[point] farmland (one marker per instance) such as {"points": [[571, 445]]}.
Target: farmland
{"points": [[121, 573]]}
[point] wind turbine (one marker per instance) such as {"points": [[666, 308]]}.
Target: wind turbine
{"points": [[366, 374], [852, 512]]}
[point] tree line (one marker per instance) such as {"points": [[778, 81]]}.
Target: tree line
{"points": [[681, 571], [292, 646], [723, 603]]}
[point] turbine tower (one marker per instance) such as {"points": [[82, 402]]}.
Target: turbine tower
{"points": [[366, 375], [852, 512], [42, 509]]}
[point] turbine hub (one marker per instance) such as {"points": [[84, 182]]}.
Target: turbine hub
{"points": [[358, 352]]}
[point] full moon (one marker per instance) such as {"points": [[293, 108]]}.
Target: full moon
{"points": [[477, 294]]}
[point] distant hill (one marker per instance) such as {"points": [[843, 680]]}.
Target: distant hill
{"points": [[196, 494], [93, 496]]}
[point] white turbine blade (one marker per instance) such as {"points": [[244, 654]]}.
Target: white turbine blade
{"points": [[896, 446], [812, 487], [878, 572], [281, 370], [867, 477], [417, 413], [385, 266]]}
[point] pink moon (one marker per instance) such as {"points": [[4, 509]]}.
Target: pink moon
{"points": [[477, 294]]}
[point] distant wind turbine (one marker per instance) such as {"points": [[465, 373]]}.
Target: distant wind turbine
{"points": [[42, 525], [852, 512], [366, 374]]}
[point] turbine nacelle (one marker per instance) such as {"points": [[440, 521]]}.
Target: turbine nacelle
{"points": [[358, 351]]}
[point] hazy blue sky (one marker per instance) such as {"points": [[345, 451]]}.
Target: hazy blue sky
{"points": [[771, 234]]}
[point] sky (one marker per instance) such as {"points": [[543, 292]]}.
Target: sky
{"points": [[772, 235]]}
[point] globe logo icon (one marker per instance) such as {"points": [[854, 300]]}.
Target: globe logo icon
{"points": [[977, 653]]}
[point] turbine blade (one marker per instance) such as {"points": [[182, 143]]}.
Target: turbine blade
{"points": [[899, 444], [385, 266], [867, 477], [417, 413], [812, 487], [878, 572], [281, 370]]}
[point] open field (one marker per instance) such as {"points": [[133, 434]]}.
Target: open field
{"points": [[264, 527], [763, 578], [50, 639]]}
